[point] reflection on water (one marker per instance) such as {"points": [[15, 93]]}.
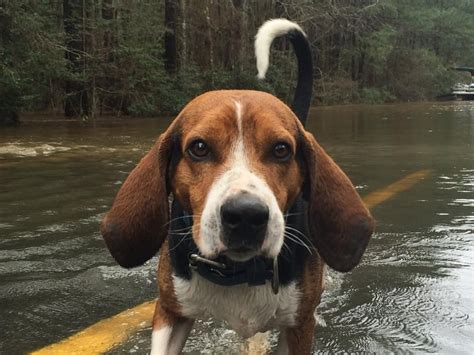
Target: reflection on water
{"points": [[413, 291]]}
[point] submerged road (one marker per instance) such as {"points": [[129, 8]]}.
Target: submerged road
{"points": [[413, 291]]}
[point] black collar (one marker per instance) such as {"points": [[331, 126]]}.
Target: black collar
{"points": [[226, 272], [185, 256]]}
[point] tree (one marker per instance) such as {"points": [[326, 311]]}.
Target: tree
{"points": [[76, 98], [150, 57]]}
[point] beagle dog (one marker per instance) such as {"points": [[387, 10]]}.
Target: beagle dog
{"points": [[246, 209]]}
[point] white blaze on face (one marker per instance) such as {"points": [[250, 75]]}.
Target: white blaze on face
{"points": [[237, 179]]}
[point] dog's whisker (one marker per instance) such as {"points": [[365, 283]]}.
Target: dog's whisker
{"points": [[183, 231], [295, 236], [296, 230], [181, 217], [293, 214], [302, 244], [302, 235], [297, 240], [187, 236], [287, 248]]}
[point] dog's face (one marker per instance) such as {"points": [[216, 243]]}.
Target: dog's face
{"points": [[236, 161], [237, 173]]}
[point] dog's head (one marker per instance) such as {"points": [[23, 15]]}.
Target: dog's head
{"points": [[236, 161]]}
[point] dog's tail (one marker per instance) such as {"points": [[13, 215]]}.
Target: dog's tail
{"points": [[263, 40]]}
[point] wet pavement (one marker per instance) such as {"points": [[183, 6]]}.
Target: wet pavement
{"points": [[413, 292]]}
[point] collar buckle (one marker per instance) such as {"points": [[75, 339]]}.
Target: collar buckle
{"points": [[194, 259]]}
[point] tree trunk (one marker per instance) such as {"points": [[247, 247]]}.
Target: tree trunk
{"points": [[171, 24], [76, 102], [209, 35]]}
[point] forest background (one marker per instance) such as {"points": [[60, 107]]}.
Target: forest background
{"points": [[89, 58]]}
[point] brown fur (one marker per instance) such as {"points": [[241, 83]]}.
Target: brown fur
{"points": [[340, 225], [168, 300], [133, 229], [263, 129], [300, 337]]}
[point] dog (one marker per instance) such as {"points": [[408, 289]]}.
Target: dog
{"points": [[246, 209]]}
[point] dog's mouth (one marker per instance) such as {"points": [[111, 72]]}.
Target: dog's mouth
{"points": [[242, 253]]}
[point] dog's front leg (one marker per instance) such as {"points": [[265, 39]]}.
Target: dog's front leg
{"points": [[169, 332], [297, 340]]}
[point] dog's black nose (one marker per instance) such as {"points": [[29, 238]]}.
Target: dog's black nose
{"points": [[244, 220]]}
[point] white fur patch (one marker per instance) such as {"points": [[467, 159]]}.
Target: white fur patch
{"points": [[239, 178], [159, 341], [247, 309], [264, 38], [170, 340], [238, 113]]}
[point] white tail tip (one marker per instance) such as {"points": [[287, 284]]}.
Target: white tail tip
{"points": [[270, 30]]}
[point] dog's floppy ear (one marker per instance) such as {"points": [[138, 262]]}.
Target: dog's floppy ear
{"points": [[339, 223], [135, 227]]}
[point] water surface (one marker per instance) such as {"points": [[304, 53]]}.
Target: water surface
{"points": [[413, 292]]}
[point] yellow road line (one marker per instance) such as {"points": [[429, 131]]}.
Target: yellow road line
{"points": [[377, 197], [103, 335], [108, 333]]}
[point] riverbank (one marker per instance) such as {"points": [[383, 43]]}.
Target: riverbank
{"points": [[48, 117]]}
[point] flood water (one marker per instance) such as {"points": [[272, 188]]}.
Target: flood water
{"points": [[413, 292]]}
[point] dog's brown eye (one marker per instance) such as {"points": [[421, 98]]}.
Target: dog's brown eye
{"points": [[282, 151], [198, 150]]}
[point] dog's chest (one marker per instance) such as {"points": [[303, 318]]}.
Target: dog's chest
{"points": [[246, 309]]}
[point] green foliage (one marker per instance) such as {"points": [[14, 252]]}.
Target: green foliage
{"points": [[377, 46], [421, 75], [32, 62], [400, 50], [375, 96], [338, 91], [282, 74], [142, 80], [364, 51]]}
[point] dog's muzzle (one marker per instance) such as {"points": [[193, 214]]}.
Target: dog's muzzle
{"points": [[244, 219]]}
